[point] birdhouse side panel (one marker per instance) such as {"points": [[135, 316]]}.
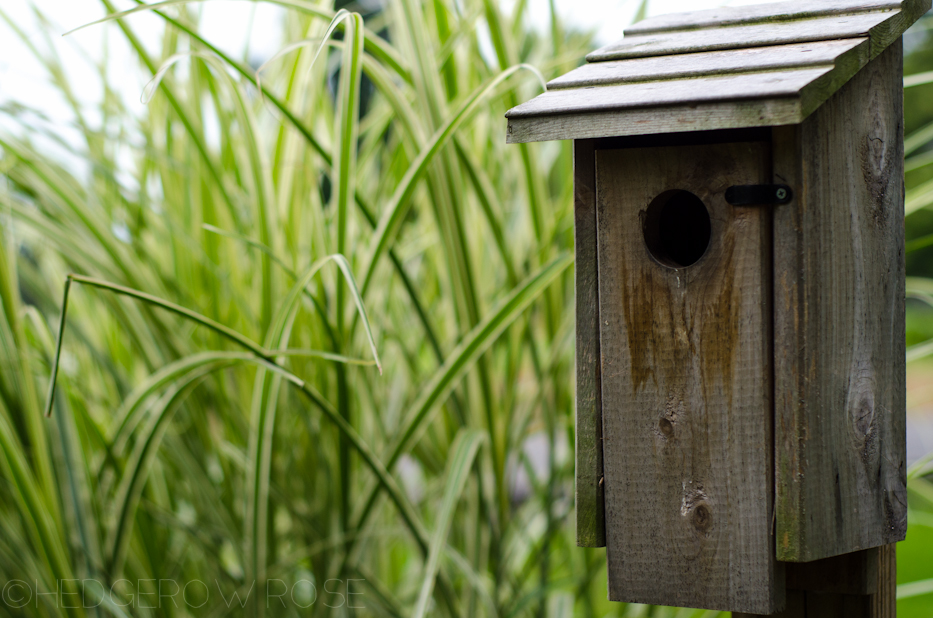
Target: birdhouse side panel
{"points": [[591, 528], [839, 321]]}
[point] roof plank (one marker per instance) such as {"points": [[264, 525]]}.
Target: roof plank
{"points": [[756, 59], [771, 84], [737, 37], [756, 13], [654, 120], [709, 106]]}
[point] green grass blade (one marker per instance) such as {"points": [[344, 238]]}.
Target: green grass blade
{"points": [[464, 449], [397, 207], [918, 243], [319, 149], [344, 179], [262, 428], [17, 364], [918, 139], [475, 344], [174, 101], [194, 316], [910, 590], [463, 357], [918, 161], [919, 350], [50, 398], [918, 198], [369, 457], [45, 542], [134, 476], [491, 207], [320, 45], [357, 295], [918, 79], [127, 417], [348, 109], [264, 359], [289, 305]]}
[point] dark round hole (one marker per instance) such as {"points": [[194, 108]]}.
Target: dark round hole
{"points": [[677, 228]]}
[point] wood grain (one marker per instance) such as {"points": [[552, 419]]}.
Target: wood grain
{"points": [[591, 527], [752, 60], [653, 120], [736, 87], [839, 322], [883, 21], [884, 601], [765, 65], [686, 387], [734, 37], [755, 13], [708, 103]]}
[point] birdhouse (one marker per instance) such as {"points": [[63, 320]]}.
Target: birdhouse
{"points": [[739, 205]]}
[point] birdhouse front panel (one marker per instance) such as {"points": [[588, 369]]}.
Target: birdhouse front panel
{"points": [[685, 341]]}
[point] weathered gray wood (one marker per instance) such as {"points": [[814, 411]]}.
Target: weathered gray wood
{"points": [[652, 120], [756, 13], [880, 602], [591, 526], [765, 24], [736, 87], [736, 37], [752, 60], [839, 322], [721, 69], [884, 601], [891, 30], [686, 387], [705, 103]]}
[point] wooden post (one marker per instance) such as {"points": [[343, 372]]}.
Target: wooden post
{"points": [[857, 585]]}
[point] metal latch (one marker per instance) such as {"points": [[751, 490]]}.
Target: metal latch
{"points": [[758, 195]]}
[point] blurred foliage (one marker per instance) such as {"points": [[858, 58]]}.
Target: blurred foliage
{"points": [[918, 113]]}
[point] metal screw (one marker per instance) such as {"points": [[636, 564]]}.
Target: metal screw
{"points": [[781, 193]]}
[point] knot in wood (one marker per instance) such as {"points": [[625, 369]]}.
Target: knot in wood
{"points": [[702, 517]]}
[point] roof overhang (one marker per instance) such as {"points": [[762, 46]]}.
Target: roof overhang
{"points": [[728, 68]]}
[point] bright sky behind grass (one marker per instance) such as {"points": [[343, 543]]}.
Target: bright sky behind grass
{"points": [[231, 24], [241, 28]]}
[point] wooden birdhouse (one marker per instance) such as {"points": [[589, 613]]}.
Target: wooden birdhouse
{"points": [[739, 205]]}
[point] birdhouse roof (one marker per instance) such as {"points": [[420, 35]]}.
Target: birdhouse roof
{"points": [[725, 68]]}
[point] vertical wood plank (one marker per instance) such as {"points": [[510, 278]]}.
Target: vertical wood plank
{"points": [[591, 528], [686, 386], [839, 321], [884, 601]]}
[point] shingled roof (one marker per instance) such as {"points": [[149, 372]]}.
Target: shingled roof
{"points": [[759, 65]]}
